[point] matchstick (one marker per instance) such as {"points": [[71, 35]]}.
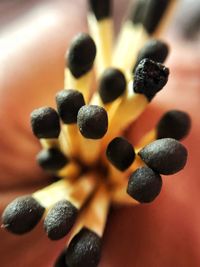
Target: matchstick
{"points": [[100, 24], [79, 61]]}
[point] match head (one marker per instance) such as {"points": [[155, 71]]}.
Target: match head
{"points": [[68, 104], [112, 85], [51, 159], [92, 121], [120, 153], [45, 123], [144, 185], [138, 12], [22, 215], [84, 249], [174, 124], [60, 219], [81, 55], [166, 156], [155, 50], [149, 78], [100, 8]]}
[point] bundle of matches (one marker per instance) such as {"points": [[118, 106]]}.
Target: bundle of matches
{"points": [[83, 143]]}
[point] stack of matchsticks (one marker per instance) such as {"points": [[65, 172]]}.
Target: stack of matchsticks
{"points": [[82, 141]]}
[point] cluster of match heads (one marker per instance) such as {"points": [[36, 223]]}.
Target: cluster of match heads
{"points": [[82, 141]]}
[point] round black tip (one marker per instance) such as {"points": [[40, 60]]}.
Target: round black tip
{"points": [[155, 50], [81, 55], [144, 185], [51, 159], [60, 219], [166, 156], [150, 77], [174, 124], [22, 215], [112, 85], [92, 121], [120, 153], [45, 123], [84, 249], [100, 8], [68, 104], [60, 261], [138, 12]]}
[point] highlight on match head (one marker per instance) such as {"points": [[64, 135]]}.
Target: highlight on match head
{"points": [[22, 215], [101, 8]]}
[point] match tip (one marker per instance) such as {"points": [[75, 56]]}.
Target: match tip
{"points": [[155, 50], [149, 78], [144, 185], [120, 153], [112, 85], [84, 249], [68, 104], [100, 8], [45, 123], [174, 124], [81, 55], [22, 215], [51, 159], [92, 121], [60, 219], [166, 156]]}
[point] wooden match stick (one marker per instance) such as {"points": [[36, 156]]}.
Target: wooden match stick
{"points": [[100, 24]]}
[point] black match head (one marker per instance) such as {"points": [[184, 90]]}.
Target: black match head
{"points": [[120, 153], [101, 8], [166, 156], [22, 215], [174, 124], [155, 50], [144, 185], [60, 261], [153, 17], [52, 159], [45, 123], [92, 121], [84, 249], [149, 78], [138, 12], [68, 104], [81, 55], [60, 219], [112, 85]]}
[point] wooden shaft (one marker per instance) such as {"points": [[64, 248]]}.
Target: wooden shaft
{"points": [[72, 137], [147, 138]]}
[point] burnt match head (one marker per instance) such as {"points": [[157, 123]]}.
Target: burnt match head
{"points": [[149, 78], [45, 123], [101, 8], [174, 124], [166, 156], [144, 185], [81, 55], [112, 85], [155, 50], [138, 12], [52, 159], [92, 121], [120, 153], [68, 104], [84, 249], [60, 219], [22, 215]]}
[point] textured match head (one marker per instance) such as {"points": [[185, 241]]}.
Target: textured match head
{"points": [[92, 121], [120, 153], [45, 123], [112, 85], [81, 55], [60, 219], [165, 156], [22, 215], [149, 78], [144, 185], [84, 249], [68, 104], [101, 8]]}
